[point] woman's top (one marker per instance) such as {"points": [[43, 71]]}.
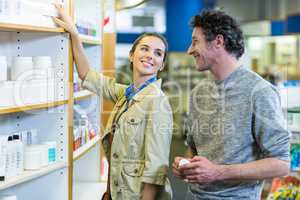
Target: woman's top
{"points": [[142, 132]]}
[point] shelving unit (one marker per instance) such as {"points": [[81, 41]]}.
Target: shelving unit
{"points": [[37, 104], [86, 166]]}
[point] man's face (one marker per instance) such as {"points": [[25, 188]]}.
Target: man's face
{"points": [[200, 50]]}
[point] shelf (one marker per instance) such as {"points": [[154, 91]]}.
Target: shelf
{"points": [[19, 27], [30, 175], [89, 190], [295, 170], [83, 94], [294, 110], [296, 132], [32, 107], [86, 148], [295, 142], [89, 40]]}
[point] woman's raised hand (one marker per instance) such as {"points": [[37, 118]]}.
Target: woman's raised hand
{"points": [[64, 20]]}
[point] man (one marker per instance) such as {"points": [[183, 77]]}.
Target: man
{"points": [[237, 133]]}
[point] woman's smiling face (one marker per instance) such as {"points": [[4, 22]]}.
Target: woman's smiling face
{"points": [[148, 56]]}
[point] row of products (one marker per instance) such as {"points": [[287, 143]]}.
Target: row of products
{"points": [[77, 83], [287, 188], [295, 156], [25, 8], [293, 119], [21, 151], [86, 27], [10, 8], [77, 87], [26, 67], [84, 129]]}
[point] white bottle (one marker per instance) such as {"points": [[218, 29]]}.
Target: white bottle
{"points": [[33, 157], [84, 128], [14, 157], [3, 143], [3, 7], [29, 137], [3, 67], [10, 158], [42, 67], [42, 62], [44, 150], [19, 154]]}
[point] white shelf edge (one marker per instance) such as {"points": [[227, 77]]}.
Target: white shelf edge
{"points": [[35, 89], [32, 106], [86, 147], [295, 142], [90, 39], [295, 170], [82, 94], [295, 131], [30, 175]]}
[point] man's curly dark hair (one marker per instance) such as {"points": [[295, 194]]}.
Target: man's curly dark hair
{"points": [[215, 22]]}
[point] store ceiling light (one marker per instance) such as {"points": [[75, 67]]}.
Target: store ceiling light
{"points": [[128, 4]]}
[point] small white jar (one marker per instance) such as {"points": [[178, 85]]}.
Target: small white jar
{"points": [[44, 149], [42, 62], [22, 68], [43, 67], [33, 157]]}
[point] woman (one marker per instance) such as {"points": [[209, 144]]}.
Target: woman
{"points": [[138, 135]]}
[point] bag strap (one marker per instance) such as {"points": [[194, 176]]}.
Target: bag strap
{"points": [[110, 140]]}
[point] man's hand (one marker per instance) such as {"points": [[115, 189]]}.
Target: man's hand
{"points": [[200, 170], [176, 169]]}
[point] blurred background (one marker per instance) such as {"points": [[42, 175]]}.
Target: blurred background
{"points": [[271, 30]]}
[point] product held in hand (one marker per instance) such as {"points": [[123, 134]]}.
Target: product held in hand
{"points": [[183, 162]]}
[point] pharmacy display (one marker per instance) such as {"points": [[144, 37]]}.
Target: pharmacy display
{"points": [[33, 74], [44, 108], [22, 151]]}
